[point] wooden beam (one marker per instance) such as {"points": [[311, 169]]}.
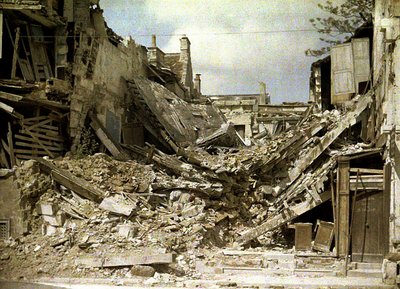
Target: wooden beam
{"points": [[366, 171], [346, 121], [11, 146], [12, 6], [114, 148], [68, 180], [47, 143], [45, 21], [6, 108], [127, 259], [15, 55], [3, 157], [342, 207], [10, 96], [42, 136]]}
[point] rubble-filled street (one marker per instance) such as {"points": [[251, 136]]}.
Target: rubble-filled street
{"points": [[116, 169]]}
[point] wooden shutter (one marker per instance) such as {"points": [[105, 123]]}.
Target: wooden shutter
{"points": [[342, 72], [361, 61]]}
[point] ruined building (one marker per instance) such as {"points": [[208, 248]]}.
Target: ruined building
{"points": [[114, 165]]}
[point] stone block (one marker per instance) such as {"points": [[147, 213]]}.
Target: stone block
{"points": [[48, 230], [126, 230], [48, 209], [57, 221], [389, 272], [143, 271]]}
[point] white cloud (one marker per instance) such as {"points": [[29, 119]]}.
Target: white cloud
{"points": [[231, 45]]}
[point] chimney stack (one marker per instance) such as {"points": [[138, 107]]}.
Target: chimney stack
{"points": [[197, 83], [185, 48], [153, 41], [263, 94]]}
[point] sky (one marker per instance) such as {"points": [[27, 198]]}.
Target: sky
{"points": [[235, 44]]}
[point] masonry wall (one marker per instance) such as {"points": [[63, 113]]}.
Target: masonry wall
{"points": [[386, 79], [101, 87], [9, 205]]}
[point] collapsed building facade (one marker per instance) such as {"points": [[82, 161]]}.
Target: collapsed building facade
{"points": [[172, 181]]}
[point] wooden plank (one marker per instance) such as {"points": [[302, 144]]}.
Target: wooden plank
{"points": [[68, 180], [10, 96], [45, 21], [30, 152], [10, 110], [29, 120], [6, 108], [343, 207], [11, 146], [35, 138], [47, 143], [35, 5], [276, 221], [114, 148], [25, 157], [41, 136], [346, 121], [13, 45], [366, 171], [5, 146], [3, 157], [39, 146], [127, 259], [15, 54]]}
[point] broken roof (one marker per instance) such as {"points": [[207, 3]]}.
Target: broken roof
{"points": [[164, 112]]}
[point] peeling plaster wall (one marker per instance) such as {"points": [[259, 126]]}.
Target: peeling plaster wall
{"points": [[387, 118]]}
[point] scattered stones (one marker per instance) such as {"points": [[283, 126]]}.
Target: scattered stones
{"points": [[143, 271]]}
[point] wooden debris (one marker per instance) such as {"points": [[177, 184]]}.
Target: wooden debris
{"points": [[127, 259], [113, 147], [68, 180]]}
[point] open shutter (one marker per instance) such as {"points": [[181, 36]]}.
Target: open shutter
{"points": [[361, 61], [342, 73]]}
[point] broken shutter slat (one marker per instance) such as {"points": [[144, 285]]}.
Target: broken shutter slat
{"points": [[361, 61], [342, 72]]}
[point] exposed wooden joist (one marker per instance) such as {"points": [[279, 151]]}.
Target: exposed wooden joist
{"points": [[45, 21], [127, 259], [68, 180], [34, 5]]}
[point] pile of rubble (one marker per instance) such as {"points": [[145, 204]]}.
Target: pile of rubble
{"points": [[102, 217]]}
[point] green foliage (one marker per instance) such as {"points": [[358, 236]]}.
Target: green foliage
{"points": [[344, 19]]}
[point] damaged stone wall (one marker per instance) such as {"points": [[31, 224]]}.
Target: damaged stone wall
{"points": [[387, 119], [99, 70]]}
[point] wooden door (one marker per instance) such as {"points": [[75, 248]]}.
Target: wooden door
{"points": [[369, 230]]}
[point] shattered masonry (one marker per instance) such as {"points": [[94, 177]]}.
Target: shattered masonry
{"points": [[113, 163]]}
